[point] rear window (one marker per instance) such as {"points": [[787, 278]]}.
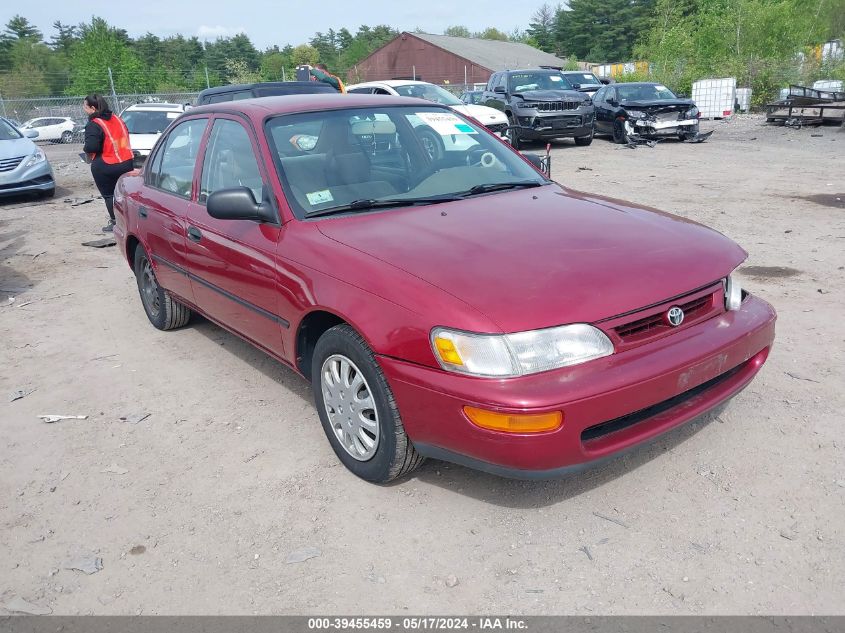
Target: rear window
{"points": [[148, 122]]}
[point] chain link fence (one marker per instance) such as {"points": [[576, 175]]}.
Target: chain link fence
{"points": [[22, 110]]}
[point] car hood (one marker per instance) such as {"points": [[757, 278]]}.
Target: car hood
{"points": [[142, 142], [483, 114], [541, 257], [16, 147], [659, 104], [552, 95]]}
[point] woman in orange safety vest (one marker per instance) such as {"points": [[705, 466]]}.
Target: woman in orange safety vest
{"points": [[107, 143]]}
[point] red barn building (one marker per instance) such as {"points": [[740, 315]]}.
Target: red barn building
{"points": [[442, 59]]}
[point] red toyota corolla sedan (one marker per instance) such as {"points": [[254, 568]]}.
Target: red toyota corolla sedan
{"points": [[443, 296]]}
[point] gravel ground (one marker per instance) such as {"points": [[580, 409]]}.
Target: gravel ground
{"points": [[203, 507]]}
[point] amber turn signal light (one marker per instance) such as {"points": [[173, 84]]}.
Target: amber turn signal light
{"points": [[514, 422]]}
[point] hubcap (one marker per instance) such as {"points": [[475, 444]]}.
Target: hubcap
{"points": [[350, 407], [149, 289]]}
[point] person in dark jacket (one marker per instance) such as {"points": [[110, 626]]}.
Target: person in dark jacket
{"points": [[107, 144]]}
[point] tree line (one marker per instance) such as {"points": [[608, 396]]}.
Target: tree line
{"points": [[763, 43]]}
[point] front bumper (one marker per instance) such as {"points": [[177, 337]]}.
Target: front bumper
{"points": [[23, 179], [609, 404], [654, 129], [564, 124]]}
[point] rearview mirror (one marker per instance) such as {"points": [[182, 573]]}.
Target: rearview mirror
{"points": [[499, 89], [238, 203], [30, 133]]}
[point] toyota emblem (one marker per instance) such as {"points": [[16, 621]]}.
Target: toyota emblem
{"points": [[675, 316]]}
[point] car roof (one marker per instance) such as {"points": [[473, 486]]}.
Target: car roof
{"points": [[393, 83], [261, 84], [290, 104], [166, 107], [639, 83]]}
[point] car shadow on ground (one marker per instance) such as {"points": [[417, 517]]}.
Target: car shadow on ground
{"points": [[12, 281], [526, 494], [276, 371]]}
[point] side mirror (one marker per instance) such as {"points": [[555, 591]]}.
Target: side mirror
{"points": [[238, 203], [30, 133], [576, 86], [499, 89]]}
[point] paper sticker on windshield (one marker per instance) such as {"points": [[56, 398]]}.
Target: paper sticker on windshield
{"points": [[172, 115], [658, 87], [445, 124], [319, 197], [555, 78]]}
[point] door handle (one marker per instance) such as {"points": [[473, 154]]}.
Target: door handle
{"points": [[194, 234], [143, 211]]}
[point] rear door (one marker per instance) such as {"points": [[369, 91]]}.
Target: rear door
{"points": [[232, 262], [161, 211]]}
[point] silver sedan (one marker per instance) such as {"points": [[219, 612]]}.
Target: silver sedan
{"points": [[24, 167]]}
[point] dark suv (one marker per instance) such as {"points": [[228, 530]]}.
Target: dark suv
{"points": [[236, 92], [542, 104]]}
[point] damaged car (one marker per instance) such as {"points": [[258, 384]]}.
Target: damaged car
{"points": [[646, 110]]}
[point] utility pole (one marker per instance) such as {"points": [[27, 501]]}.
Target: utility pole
{"points": [[3, 103], [113, 93], [283, 74], [207, 83]]}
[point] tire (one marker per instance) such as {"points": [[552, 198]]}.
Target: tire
{"points": [[513, 135], [48, 193], [432, 143], [67, 137], [163, 311], [584, 141], [619, 134], [372, 443]]}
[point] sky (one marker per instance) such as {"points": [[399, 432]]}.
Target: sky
{"points": [[270, 23]]}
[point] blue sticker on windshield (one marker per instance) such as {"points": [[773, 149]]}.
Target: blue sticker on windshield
{"points": [[463, 127]]}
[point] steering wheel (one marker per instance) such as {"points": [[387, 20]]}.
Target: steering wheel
{"points": [[480, 157]]}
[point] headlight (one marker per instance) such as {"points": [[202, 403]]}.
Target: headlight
{"points": [[508, 355], [636, 114], [38, 157], [733, 294]]}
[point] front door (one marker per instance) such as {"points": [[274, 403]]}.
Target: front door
{"points": [[232, 262]]}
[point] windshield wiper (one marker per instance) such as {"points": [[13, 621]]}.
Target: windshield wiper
{"points": [[501, 186], [367, 204]]}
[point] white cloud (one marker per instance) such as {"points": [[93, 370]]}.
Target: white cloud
{"points": [[205, 32]]}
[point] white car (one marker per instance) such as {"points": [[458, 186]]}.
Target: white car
{"points": [[146, 122], [51, 128], [494, 120]]}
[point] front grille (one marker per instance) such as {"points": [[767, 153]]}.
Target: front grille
{"points": [[497, 127], [656, 323], [604, 429], [554, 106], [8, 164]]}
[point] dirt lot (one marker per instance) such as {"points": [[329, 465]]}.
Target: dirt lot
{"points": [[231, 473]]}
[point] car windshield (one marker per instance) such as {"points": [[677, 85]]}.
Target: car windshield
{"points": [[354, 160], [429, 92], [644, 93], [148, 121], [8, 131], [583, 79], [522, 82]]}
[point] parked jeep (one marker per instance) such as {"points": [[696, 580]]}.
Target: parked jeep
{"points": [[541, 104]]}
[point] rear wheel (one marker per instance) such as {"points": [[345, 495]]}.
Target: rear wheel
{"points": [[357, 409], [163, 311], [432, 143], [67, 136]]}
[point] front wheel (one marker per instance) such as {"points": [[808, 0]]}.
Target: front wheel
{"points": [[357, 409], [620, 136], [163, 311], [513, 135], [583, 141]]}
